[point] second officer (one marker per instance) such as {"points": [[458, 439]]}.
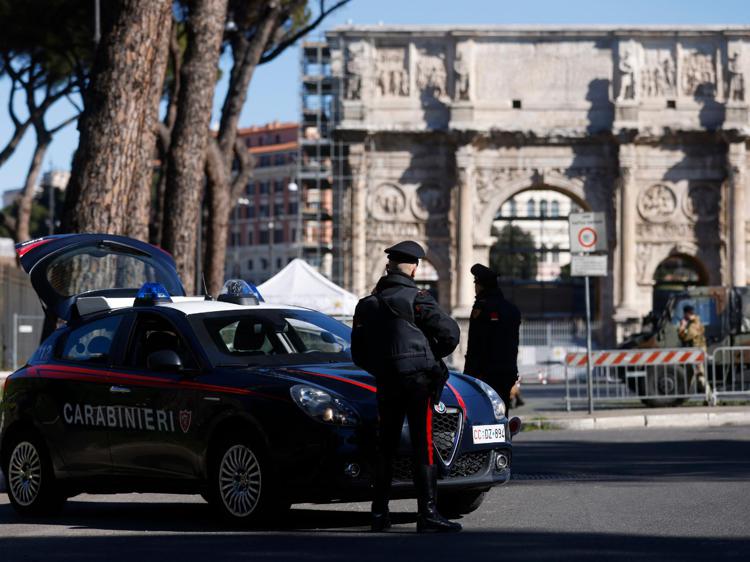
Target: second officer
{"points": [[492, 349], [400, 335]]}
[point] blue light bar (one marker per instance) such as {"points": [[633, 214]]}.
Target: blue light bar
{"points": [[150, 294], [241, 288], [239, 291]]}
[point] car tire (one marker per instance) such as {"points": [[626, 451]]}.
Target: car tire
{"points": [[30, 478], [241, 486], [667, 384], [453, 504]]}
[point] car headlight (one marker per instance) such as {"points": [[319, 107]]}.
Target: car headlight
{"points": [[321, 406], [498, 405]]}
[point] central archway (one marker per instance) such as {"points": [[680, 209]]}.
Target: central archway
{"points": [[531, 252]]}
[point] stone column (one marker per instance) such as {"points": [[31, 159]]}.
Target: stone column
{"points": [[465, 232], [357, 163], [628, 216], [737, 174]]}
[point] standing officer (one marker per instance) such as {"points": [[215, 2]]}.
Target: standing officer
{"points": [[400, 335], [492, 350]]}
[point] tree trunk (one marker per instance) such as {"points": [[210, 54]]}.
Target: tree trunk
{"points": [[246, 54], [138, 214], [217, 229], [187, 155], [26, 201], [117, 122]]}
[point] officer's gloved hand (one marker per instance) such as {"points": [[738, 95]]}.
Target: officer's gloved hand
{"points": [[441, 377]]}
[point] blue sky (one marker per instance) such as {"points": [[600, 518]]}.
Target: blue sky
{"points": [[273, 92]]}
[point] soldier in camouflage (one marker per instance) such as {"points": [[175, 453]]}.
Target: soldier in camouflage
{"points": [[692, 333]]}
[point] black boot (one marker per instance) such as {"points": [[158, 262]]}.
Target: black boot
{"points": [[428, 518], [381, 517]]}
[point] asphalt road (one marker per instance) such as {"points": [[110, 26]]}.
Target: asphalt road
{"points": [[643, 494]]}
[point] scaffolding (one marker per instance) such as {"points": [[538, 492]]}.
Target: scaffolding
{"points": [[321, 163]]}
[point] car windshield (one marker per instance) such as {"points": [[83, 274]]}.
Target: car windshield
{"points": [[264, 336]]}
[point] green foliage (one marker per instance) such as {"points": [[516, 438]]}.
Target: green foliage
{"points": [[514, 255], [38, 221], [54, 36]]}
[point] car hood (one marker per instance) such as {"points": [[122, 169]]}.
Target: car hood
{"points": [[357, 385]]}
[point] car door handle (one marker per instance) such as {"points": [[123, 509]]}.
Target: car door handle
{"points": [[119, 390]]}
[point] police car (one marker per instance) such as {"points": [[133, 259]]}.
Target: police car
{"points": [[254, 406]]}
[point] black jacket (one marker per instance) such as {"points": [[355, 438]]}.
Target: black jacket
{"points": [[400, 329], [492, 349]]}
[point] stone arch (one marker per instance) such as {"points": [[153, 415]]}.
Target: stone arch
{"points": [[487, 207]]}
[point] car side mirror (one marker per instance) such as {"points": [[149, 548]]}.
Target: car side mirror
{"points": [[327, 337], [164, 360]]}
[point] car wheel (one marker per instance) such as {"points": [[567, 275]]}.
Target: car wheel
{"points": [[665, 383], [29, 478], [242, 486], [451, 504]]}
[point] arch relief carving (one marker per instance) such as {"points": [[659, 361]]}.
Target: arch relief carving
{"points": [[429, 202], [701, 203], [657, 203], [387, 202]]}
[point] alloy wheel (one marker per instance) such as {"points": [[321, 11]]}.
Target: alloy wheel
{"points": [[25, 473], [239, 480]]}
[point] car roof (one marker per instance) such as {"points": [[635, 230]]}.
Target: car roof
{"points": [[186, 305]]}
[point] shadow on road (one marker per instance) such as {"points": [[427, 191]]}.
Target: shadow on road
{"points": [[332, 547], [717, 460]]}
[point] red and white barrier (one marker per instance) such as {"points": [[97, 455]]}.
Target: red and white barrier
{"points": [[637, 357]]}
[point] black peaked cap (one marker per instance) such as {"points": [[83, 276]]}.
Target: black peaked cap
{"points": [[484, 275], [407, 251]]}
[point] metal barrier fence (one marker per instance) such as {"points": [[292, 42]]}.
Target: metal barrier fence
{"points": [[27, 330], [17, 298], [544, 344], [730, 373], [657, 377]]}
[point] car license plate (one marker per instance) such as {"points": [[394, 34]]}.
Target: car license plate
{"points": [[488, 433]]}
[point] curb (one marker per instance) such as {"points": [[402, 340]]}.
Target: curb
{"points": [[692, 419]]}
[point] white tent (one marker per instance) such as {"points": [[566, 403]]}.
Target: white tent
{"points": [[300, 284]]}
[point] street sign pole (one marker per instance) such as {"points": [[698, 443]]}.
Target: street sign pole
{"points": [[589, 378]]}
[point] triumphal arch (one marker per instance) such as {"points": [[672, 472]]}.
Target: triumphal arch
{"points": [[646, 124]]}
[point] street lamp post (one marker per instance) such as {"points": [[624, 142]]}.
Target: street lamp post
{"points": [[270, 248]]}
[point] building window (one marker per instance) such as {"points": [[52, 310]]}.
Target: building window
{"points": [[543, 208], [250, 237], [278, 236], [279, 160], [250, 265], [513, 208], [263, 211], [264, 238], [265, 161], [278, 139], [278, 263], [531, 208], [555, 209], [251, 188], [293, 208], [278, 208], [263, 187], [264, 263], [250, 212], [555, 254]]}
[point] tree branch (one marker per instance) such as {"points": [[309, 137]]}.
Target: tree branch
{"points": [[246, 165], [284, 43]]}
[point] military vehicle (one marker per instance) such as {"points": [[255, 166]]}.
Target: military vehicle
{"points": [[725, 313]]}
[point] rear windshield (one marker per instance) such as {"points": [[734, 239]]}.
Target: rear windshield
{"points": [[274, 336], [96, 269]]}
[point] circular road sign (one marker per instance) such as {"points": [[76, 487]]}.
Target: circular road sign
{"points": [[587, 237]]}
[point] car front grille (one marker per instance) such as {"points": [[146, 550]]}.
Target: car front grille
{"points": [[446, 429], [469, 464]]}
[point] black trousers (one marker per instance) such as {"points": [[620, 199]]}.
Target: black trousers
{"points": [[409, 397]]}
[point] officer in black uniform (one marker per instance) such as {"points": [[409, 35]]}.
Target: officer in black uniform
{"points": [[400, 335], [492, 351]]}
